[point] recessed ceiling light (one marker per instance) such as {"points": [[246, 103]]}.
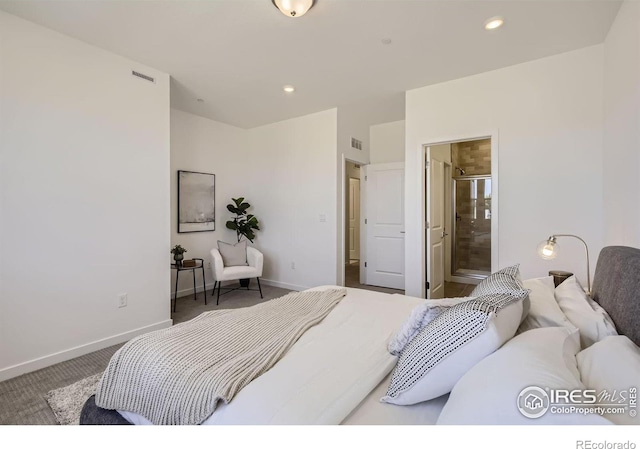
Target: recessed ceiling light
{"points": [[493, 23], [386, 41], [200, 100], [289, 88]]}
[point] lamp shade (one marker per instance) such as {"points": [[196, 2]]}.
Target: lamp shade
{"points": [[293, 8], [548, 249]]}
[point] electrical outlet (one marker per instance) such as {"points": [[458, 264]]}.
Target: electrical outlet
{"points": [[122, 300], [293, 265], [209, 265]]}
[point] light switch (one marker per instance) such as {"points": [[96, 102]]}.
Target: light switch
{"points": [[323, 218]]}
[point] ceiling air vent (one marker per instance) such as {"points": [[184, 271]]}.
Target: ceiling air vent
{"points": [[355, 143], [143, 76]]}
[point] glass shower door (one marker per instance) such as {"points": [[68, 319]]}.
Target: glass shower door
{"points": [[472, 229]]}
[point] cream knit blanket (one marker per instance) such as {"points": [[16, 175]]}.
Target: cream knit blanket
{"points": [[178, 375]]}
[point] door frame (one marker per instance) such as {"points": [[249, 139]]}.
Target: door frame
{"points": [[423, 241], [342, 221], [348, 217]]}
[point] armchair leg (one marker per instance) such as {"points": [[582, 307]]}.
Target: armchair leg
{"points": [[218, 298], [258, 279], [213, 292]]}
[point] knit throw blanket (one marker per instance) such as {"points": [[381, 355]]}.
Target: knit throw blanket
{"points": [[178, 375]]}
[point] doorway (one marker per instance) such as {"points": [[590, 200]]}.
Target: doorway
{"points": [[374, 243], [460, 232], [352, 214]]}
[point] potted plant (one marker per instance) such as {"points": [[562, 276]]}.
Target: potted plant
{"points": [[178, 252], [243, 223]]}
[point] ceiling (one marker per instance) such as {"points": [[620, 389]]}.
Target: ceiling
{"points": [[237, 54]]}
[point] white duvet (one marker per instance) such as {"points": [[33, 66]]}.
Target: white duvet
{"points": [[330, 370]]}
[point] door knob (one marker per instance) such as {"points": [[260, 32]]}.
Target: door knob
{"points": [[444, 234]]}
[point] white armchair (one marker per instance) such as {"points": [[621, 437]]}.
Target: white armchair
{"points": [[222, 273]]}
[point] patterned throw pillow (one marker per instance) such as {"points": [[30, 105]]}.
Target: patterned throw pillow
{"points": [[506, 280], [446, 348]]}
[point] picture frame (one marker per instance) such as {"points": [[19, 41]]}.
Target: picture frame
{"points": [[196, 202]]}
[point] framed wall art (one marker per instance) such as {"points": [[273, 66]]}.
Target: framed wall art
{"points": [[196, 201]]}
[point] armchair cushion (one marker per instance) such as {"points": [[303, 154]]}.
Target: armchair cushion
{"points": [[234, 273], [233, 255]]}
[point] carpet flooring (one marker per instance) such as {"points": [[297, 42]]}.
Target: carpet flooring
{"points": [[22, 399]]}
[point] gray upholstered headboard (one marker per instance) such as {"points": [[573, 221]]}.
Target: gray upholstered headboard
{"points": [[616, 287]]}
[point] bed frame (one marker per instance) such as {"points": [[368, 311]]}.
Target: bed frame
{"points": [[616, 287]]}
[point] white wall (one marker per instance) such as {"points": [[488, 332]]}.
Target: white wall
{"points": [[203, 145], [291, 180], [85, 198], [387, 142], [621, 156], [549, 118]]}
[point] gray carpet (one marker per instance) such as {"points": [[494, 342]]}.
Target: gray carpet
{"points": [[22, 399]]}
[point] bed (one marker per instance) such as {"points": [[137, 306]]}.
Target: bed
{"points": [[338, 371]]}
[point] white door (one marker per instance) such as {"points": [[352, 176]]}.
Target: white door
{"points": [[436, 232], [384, 191], [354, 219]]}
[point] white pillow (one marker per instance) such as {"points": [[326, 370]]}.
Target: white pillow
{"points": [[573, 301], [447, 347], [612, 364], [490, 392], [544, 311], [608, 322]]}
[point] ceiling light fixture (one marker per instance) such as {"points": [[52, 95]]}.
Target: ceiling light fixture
{"points": [[493, 23], [293, 8], [289, 89]]}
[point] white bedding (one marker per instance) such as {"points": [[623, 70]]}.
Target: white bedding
{"points": [[373, 412], [334, 371]]}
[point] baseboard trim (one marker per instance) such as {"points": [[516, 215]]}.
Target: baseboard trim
{"points": [[272, 283], [189, 291], [68, 354]]}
